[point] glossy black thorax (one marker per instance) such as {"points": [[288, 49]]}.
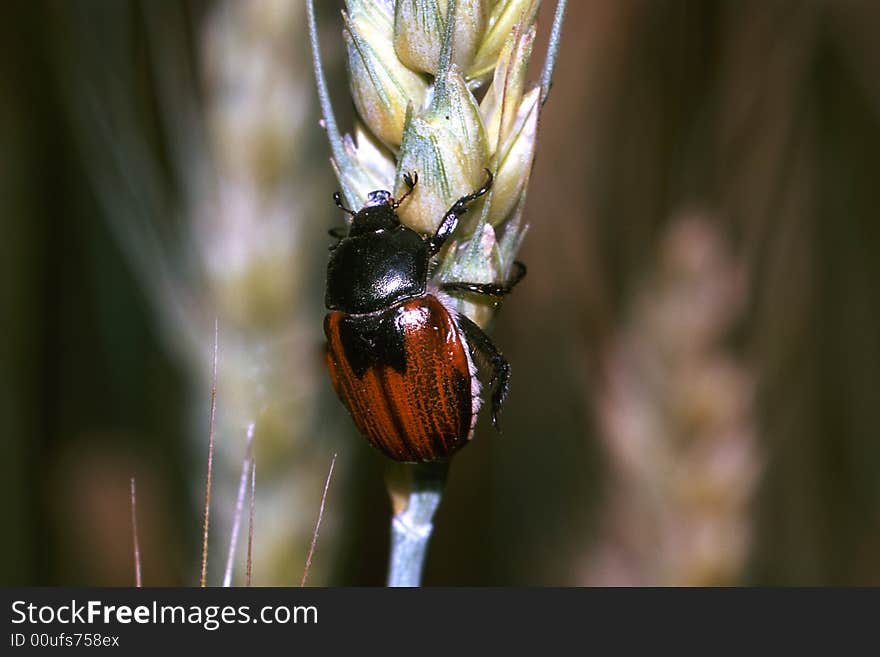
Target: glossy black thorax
{"points": [[378, 264]]}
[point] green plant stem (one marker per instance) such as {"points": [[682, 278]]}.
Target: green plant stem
{"points": [[412, 527]]}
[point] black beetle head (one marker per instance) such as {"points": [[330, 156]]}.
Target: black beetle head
{"points": [[379, 197], [377, 214]]}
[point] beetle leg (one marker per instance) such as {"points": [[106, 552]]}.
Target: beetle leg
{"points": [[338, 233], [479, 341], [490, 289], [450, 219], [411, 180]]}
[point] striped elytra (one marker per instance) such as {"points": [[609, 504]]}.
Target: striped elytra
{"points": [[405, 375]]}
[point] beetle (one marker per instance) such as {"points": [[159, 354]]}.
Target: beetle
{"points": [[401, 357]]}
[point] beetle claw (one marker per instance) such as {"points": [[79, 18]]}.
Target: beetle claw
{"points": [[411, 179]]}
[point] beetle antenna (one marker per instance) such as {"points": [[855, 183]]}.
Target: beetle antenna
{"points": [[411, 181], [337, 199]]}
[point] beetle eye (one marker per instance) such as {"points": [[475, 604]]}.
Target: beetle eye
{"points": [[379, 197]]}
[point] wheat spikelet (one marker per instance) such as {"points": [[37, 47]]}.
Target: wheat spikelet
{"points": [[224, 234], [250, 223], [440, 89], [677, 420]]}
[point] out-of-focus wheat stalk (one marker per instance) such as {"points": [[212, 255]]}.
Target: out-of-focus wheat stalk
{"points": [[230, 243], [677, 421], [250, 222], [440, 90]]}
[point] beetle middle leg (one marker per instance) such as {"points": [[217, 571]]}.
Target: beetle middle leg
{"points": [[453, 214], [338, 233], [480, 342], [490, 289]]}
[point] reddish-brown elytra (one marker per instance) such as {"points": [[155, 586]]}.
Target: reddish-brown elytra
{"points": [[401, 358]]}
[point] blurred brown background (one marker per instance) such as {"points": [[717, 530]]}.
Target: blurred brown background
{"points": [[696, 350]]}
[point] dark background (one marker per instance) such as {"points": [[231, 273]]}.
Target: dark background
{"points": [[764, 116]]}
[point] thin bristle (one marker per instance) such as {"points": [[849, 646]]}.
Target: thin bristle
{"points": [[250, 559], [134, 536], [552, 50], [239, 504], [318, 522], [327, 114], [204, 576]]}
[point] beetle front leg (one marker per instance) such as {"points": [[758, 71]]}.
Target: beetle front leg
{"points": [[410, 180], [479, 341], [450, 219], [489, 289]]}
